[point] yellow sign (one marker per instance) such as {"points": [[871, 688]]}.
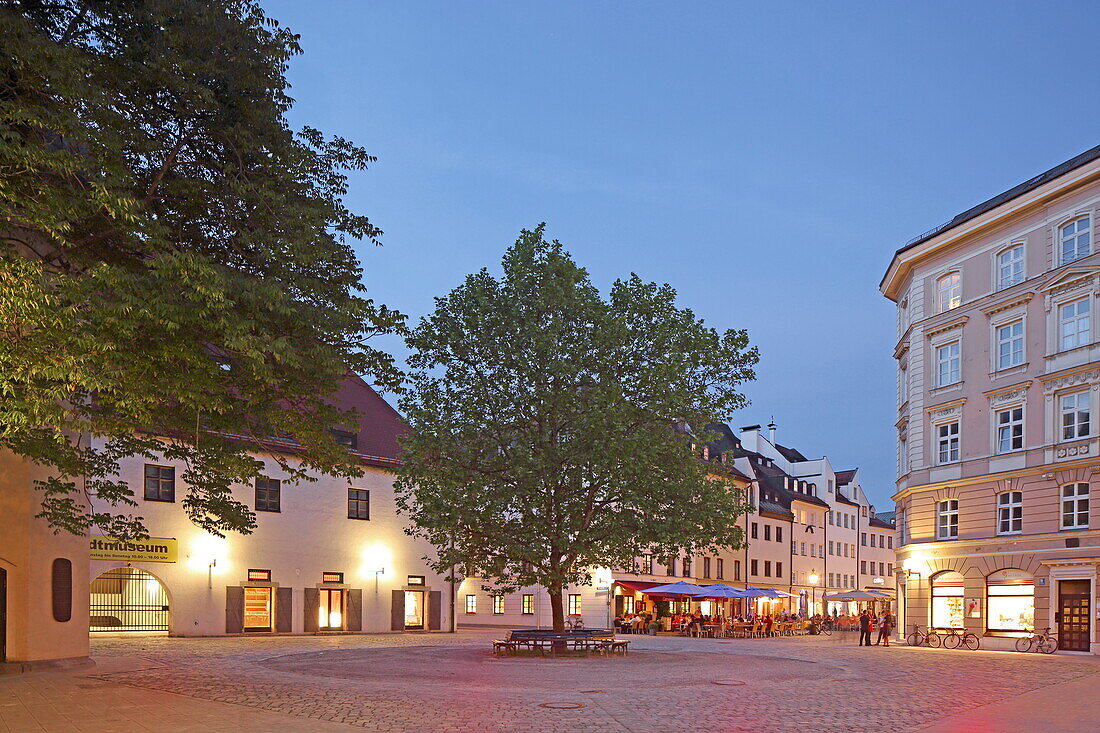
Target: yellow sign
{"points": [[154, 549]]}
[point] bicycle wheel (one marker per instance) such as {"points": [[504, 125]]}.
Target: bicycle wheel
{"points": [[951, 641], [913, 639], [1023, 644], [972, 642], [933, 639], [826, 631], [1048, 645]]}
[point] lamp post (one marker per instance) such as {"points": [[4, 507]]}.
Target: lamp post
{"points": [[814, 579]]}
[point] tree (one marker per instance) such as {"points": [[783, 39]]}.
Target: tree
{"points": [[548, 423], [175, 272]]}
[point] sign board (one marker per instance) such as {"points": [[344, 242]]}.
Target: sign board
{"points": [[974, 607], [154, 549]]}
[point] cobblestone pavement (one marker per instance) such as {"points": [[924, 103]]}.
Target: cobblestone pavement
{"points": [[439, 682]]}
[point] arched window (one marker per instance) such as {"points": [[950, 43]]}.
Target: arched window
{"points": [[1075, 239], [1010, 267], [1011, 604], [948, 292], [947, 600]]}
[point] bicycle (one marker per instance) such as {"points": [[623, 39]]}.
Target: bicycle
{"points": [[922, 636], [953, 639], [1046, 642], [826, 627], [574, 623]]}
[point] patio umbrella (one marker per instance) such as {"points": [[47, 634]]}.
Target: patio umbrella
{"points": [[719, 590], [853, 595], [772, 592], [679, 588], [757, 593]]}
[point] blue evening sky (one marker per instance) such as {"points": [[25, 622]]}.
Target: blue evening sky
{"points": [[765, 159]]}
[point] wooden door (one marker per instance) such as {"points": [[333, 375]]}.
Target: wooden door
{"points": [[3, 615], [1073, 615]]}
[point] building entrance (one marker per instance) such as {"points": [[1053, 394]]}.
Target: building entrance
{"points": [[414, 609], [1073, 615], [3, 615], [128, 599]]}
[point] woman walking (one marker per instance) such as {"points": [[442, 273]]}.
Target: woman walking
{"points": [[885, 627]]}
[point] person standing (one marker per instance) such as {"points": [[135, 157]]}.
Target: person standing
{"points": [[865, 628], [885, 628]]}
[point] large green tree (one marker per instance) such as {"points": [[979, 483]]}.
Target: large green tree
{"points": [[176, 276], [549, 424]]}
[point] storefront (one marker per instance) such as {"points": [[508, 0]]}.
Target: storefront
{"points": [[1010, 601], [947, 592]]}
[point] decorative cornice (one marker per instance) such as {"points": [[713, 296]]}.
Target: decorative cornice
{"points": [[947, 326], [1008, 304], [947, 405], [1087, 374]]}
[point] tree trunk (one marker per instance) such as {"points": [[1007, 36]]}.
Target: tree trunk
{"points": [[557, 606]]}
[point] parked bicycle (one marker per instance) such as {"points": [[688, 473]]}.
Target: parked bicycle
{"points": [[953, 640], [923, 636], [574, 622], [1046, 642]]}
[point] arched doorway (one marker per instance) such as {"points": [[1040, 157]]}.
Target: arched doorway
{"points": [[128, 599]]}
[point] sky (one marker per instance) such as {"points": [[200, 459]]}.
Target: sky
{"points": [[765, 159]]}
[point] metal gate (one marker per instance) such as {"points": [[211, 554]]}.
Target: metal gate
{"points": [[128, 599]]}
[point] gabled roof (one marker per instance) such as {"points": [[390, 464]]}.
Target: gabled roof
{"points": [[791, 454], [878, 521], [843, 478], [845, 500]]}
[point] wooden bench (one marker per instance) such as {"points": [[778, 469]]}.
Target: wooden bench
{"points": [[600, 641]]}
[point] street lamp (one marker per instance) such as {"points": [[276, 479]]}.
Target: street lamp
{"points": [[814, 579]]}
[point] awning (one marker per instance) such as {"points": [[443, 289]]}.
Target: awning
{"points": [[638, 586]]}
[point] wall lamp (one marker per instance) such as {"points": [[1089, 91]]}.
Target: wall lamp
{"points": [[912, 574]]}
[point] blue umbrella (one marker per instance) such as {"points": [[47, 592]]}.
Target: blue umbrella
{"points": [[720, 590], [679, 588]]}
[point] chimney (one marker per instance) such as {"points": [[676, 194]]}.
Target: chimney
{"points": [[771, 431], [749, 435]]}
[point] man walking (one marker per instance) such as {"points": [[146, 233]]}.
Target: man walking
{"points": [[865, 628]]}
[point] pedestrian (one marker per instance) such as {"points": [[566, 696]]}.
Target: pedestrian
{"points": [[885, 628], [865, 628]]}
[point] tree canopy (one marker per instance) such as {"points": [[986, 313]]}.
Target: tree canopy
{"points": [[176, 273], [549, 424]]}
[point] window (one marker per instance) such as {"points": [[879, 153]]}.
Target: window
{"points": [[754, 568], [1074, 324], [1010, 345], [947, 600], [1010, 267], [1011, 595], [779, 570], [1075, 415], [1075, 240], [737, 570], [889, 543], [498, 605], [1075, 506], [628, 605], [889, 568], [830, 547], [260, 575], [863, 566], [671, 566], [947, 522], [414, 580], [803, 549], [706, 567], [778, 534], [754, 531], [767, 531], [831, 583], [647, 564], [830, 488], [358, 504], [346, 438], [687, 566], [720, 568], [948, 292], [1010, 430], [574, 604], [948, 369], [813, 554], [267, 494], [61, 589], [471, 603], [332, 577], [528, 604], [947, 442], [160, 483], [1010, 512], [767, 568], [863, 538]]}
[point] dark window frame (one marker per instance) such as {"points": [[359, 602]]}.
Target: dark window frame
{"points": [[358, 502], [270, 487], [160, 482]]}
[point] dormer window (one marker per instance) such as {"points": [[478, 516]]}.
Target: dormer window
{"points": [[948, 292], [1075, 239]]}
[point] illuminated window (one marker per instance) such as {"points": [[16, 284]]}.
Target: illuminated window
{"points": [[1010, 430], [947, 600], [1011, 604], [415, 580], [1075, 240], [160, 483], [948, 292], [1010, 512], [628, 604], [1074, 324], [498, 605], [471, 603], [1075, 411], [574, 604], [647, 564], [528, 604], [1010, 267], [1010, 345], [260, 575], [1075, 506]]}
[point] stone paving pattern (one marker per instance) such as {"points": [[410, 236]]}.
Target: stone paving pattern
{"points": [[444, 682]]}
